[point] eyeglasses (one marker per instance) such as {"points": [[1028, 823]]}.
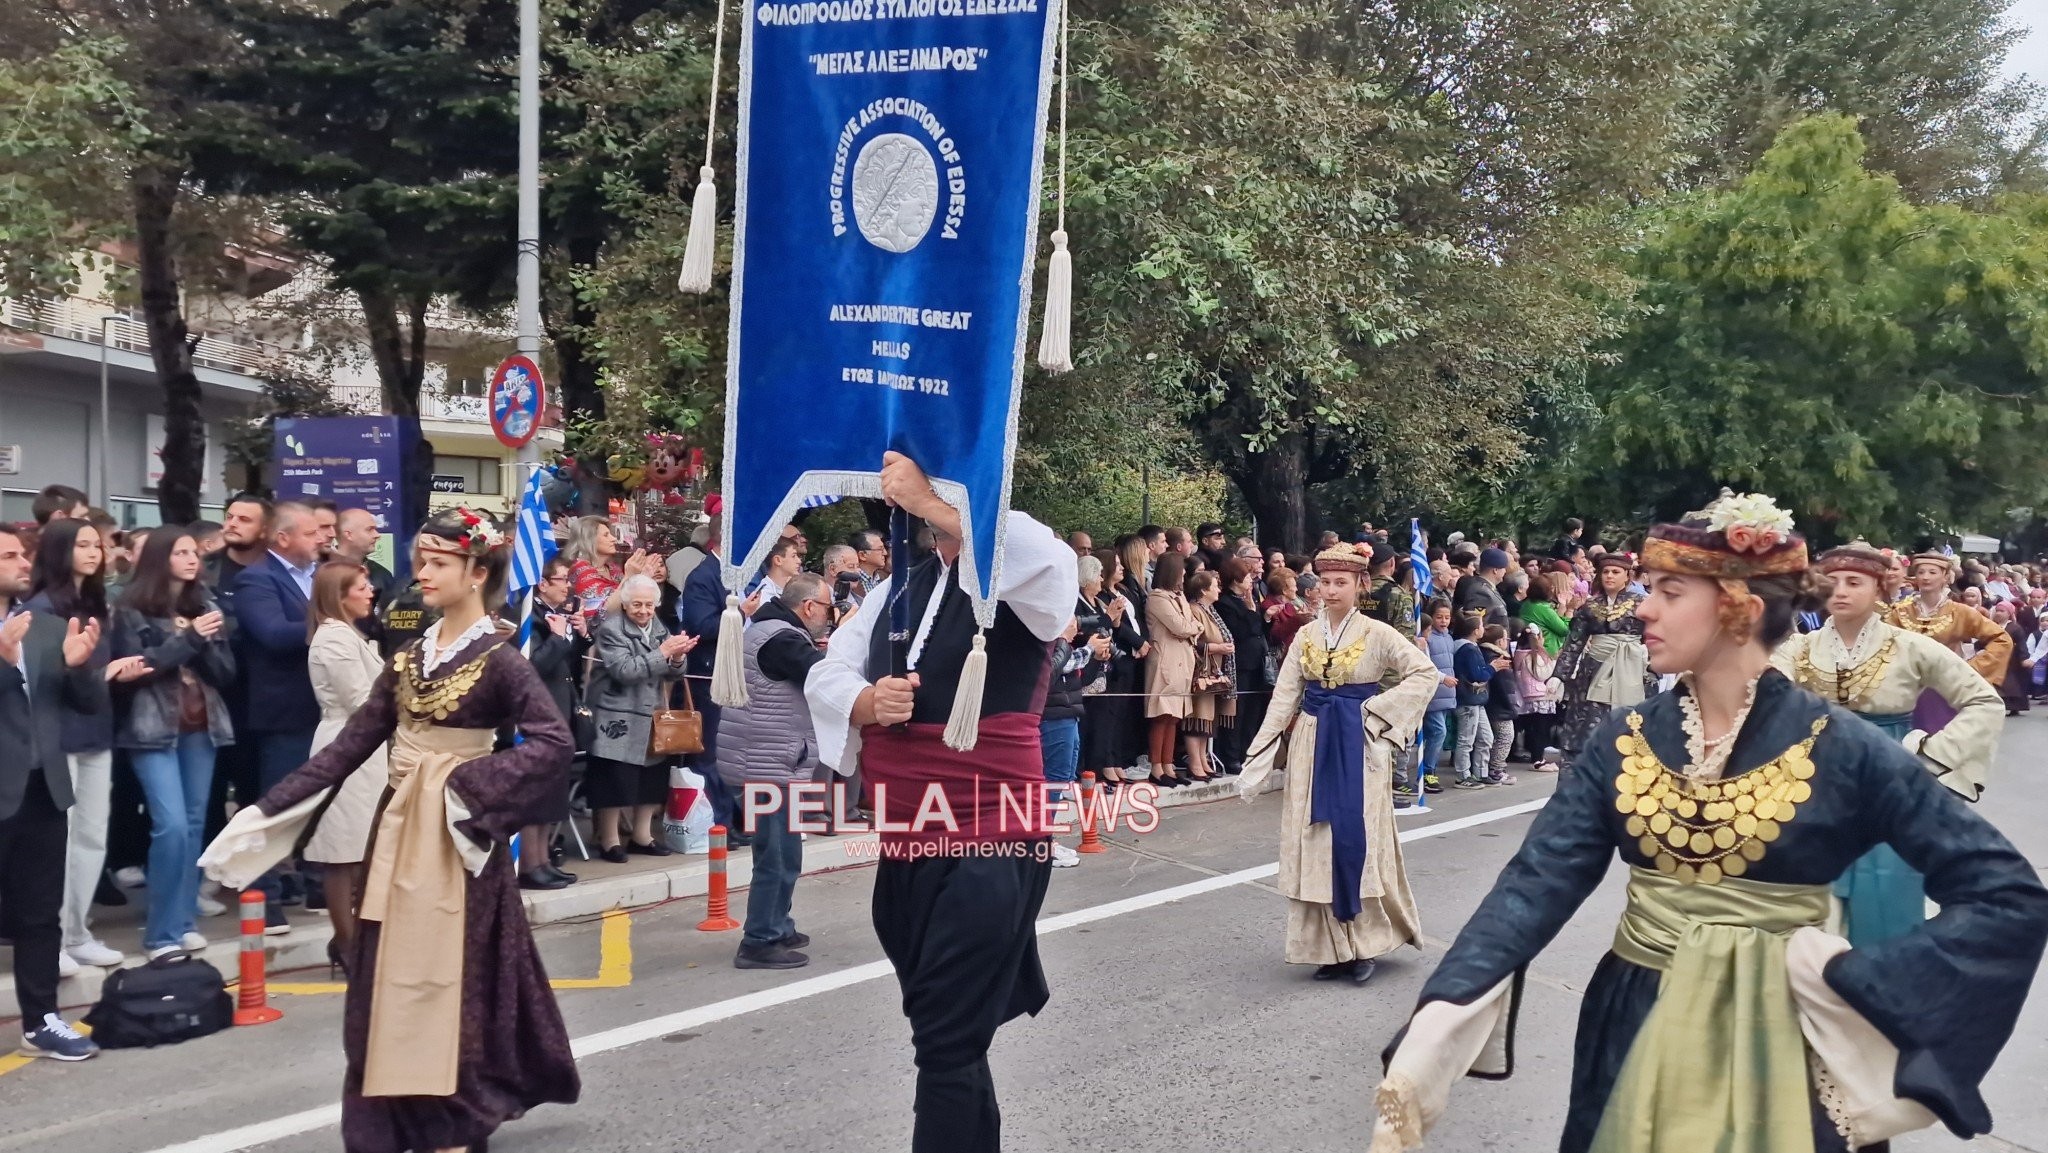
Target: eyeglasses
{"points": [[819, 603]]}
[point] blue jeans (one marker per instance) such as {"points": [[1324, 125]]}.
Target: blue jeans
{"points": [[1435, 727], [176, 781], [278, 755], [1060, 742], [778, 862]]}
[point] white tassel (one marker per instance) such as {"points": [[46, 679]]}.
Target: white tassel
{"points": [[963, 728], [728, 667], [1055, 353], [703, 246]]}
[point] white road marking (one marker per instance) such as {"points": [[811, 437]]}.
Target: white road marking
{"points": [[264, 1132]]}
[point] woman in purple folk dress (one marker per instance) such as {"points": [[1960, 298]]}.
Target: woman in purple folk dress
{"points": [[450, 1027]]}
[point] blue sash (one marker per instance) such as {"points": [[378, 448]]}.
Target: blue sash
{"points": [[1337, 787]]}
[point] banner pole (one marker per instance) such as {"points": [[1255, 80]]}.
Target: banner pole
{"points": [[899, 598]]}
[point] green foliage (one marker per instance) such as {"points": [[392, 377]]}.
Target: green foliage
{"points": [[1922, 77], [1335, 238], [66, 133], [1812, 334]]}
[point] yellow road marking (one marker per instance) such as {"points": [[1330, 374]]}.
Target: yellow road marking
{"points": [[614, 964], [614, 971], [13, 1061]]}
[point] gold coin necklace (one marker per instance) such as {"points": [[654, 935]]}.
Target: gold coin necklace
{"points": [[1702, 831]]}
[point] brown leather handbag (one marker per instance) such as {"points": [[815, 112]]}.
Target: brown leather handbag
{"points": [[677, 731]]}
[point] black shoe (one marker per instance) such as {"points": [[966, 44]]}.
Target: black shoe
{"points": [[795, 941], [616, 854], [568, 878], [772, 957], [738, 840], [1332, 972], [543, 879], [109, 894], [650, 849]]}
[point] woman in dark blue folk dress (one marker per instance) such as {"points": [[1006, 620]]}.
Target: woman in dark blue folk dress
{"points": [[1725, 1018], [450, 1026]]}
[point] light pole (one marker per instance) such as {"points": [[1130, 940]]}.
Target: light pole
{"points": [[106, 441], [528, 267]]}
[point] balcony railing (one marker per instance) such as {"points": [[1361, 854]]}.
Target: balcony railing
{"points": [[75, 319], [433, 404]]}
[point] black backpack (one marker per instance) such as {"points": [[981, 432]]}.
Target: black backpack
{"points": [[173, 998]]}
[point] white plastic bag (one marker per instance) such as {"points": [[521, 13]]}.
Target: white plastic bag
{"points": [[687, 823]]}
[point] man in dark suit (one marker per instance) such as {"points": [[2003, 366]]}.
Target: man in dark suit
{"points": [[44, 665], [271, 599]]}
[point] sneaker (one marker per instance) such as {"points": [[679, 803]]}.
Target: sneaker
{"points": [[66, 967], [96, 953], [1468, 783], [1501, 779], [130, 877], [1063, 857], [1431, 785], [795, 940], [208, 907], [770, 957], [163, 951], [194, 943], [274, 922], [1404, 798], [57, 1041]]}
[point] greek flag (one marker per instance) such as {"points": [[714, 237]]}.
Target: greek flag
{"points": [[533, 537], [1418, 555]]}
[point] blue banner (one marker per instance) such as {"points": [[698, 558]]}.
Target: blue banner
{"points": [[356, 462], [885, 238]]}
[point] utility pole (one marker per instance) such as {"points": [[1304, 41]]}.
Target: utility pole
{"points": [[529, 209]]}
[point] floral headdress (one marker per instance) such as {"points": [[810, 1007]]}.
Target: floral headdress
{"points": [[479, 537], [1731, 541], [1734, 538]]}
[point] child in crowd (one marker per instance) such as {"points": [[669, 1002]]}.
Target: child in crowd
{"points": [[1536, 711], [1503, 699], [1474, 671]]}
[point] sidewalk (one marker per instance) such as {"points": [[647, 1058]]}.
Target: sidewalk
{"points": [[640, 882]]}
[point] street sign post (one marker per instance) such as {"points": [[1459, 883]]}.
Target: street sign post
{"points": [[517, 398]]}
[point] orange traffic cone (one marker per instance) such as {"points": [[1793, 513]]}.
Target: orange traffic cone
{"points": [[717, 916], [1091, 841], [252, 1006]]}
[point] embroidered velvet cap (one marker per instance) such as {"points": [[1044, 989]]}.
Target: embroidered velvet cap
{"points": [[1734, 538], [1859, 556], [1943, 560], [1620, 560], [1343, 558]]}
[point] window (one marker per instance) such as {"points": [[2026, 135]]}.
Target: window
{"points": [[481, 475]]}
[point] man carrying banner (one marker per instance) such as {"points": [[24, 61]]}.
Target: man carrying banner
{"points": [[955, 898]]}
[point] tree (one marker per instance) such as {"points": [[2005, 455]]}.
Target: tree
{"points": [[165, 51], [1813, 334], [72, 124], [1336, 239], [1922, 76]]}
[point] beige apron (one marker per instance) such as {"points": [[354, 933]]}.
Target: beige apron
{"points": [[1623, 663], [417, 889]]}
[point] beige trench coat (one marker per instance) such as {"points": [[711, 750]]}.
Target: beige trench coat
{"points": [[344, 666], [1392, 719], [1171, 626]]}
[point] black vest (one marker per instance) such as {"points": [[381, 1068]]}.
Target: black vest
{"points": [[1018, 662]]}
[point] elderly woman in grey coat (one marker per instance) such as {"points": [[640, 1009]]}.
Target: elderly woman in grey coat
{"points": [[636, 663]]}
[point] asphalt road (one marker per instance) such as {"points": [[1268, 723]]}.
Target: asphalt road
{"points": [[1174, 1023]]}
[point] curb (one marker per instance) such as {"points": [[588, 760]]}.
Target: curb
{"points": [[305, 947]]}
